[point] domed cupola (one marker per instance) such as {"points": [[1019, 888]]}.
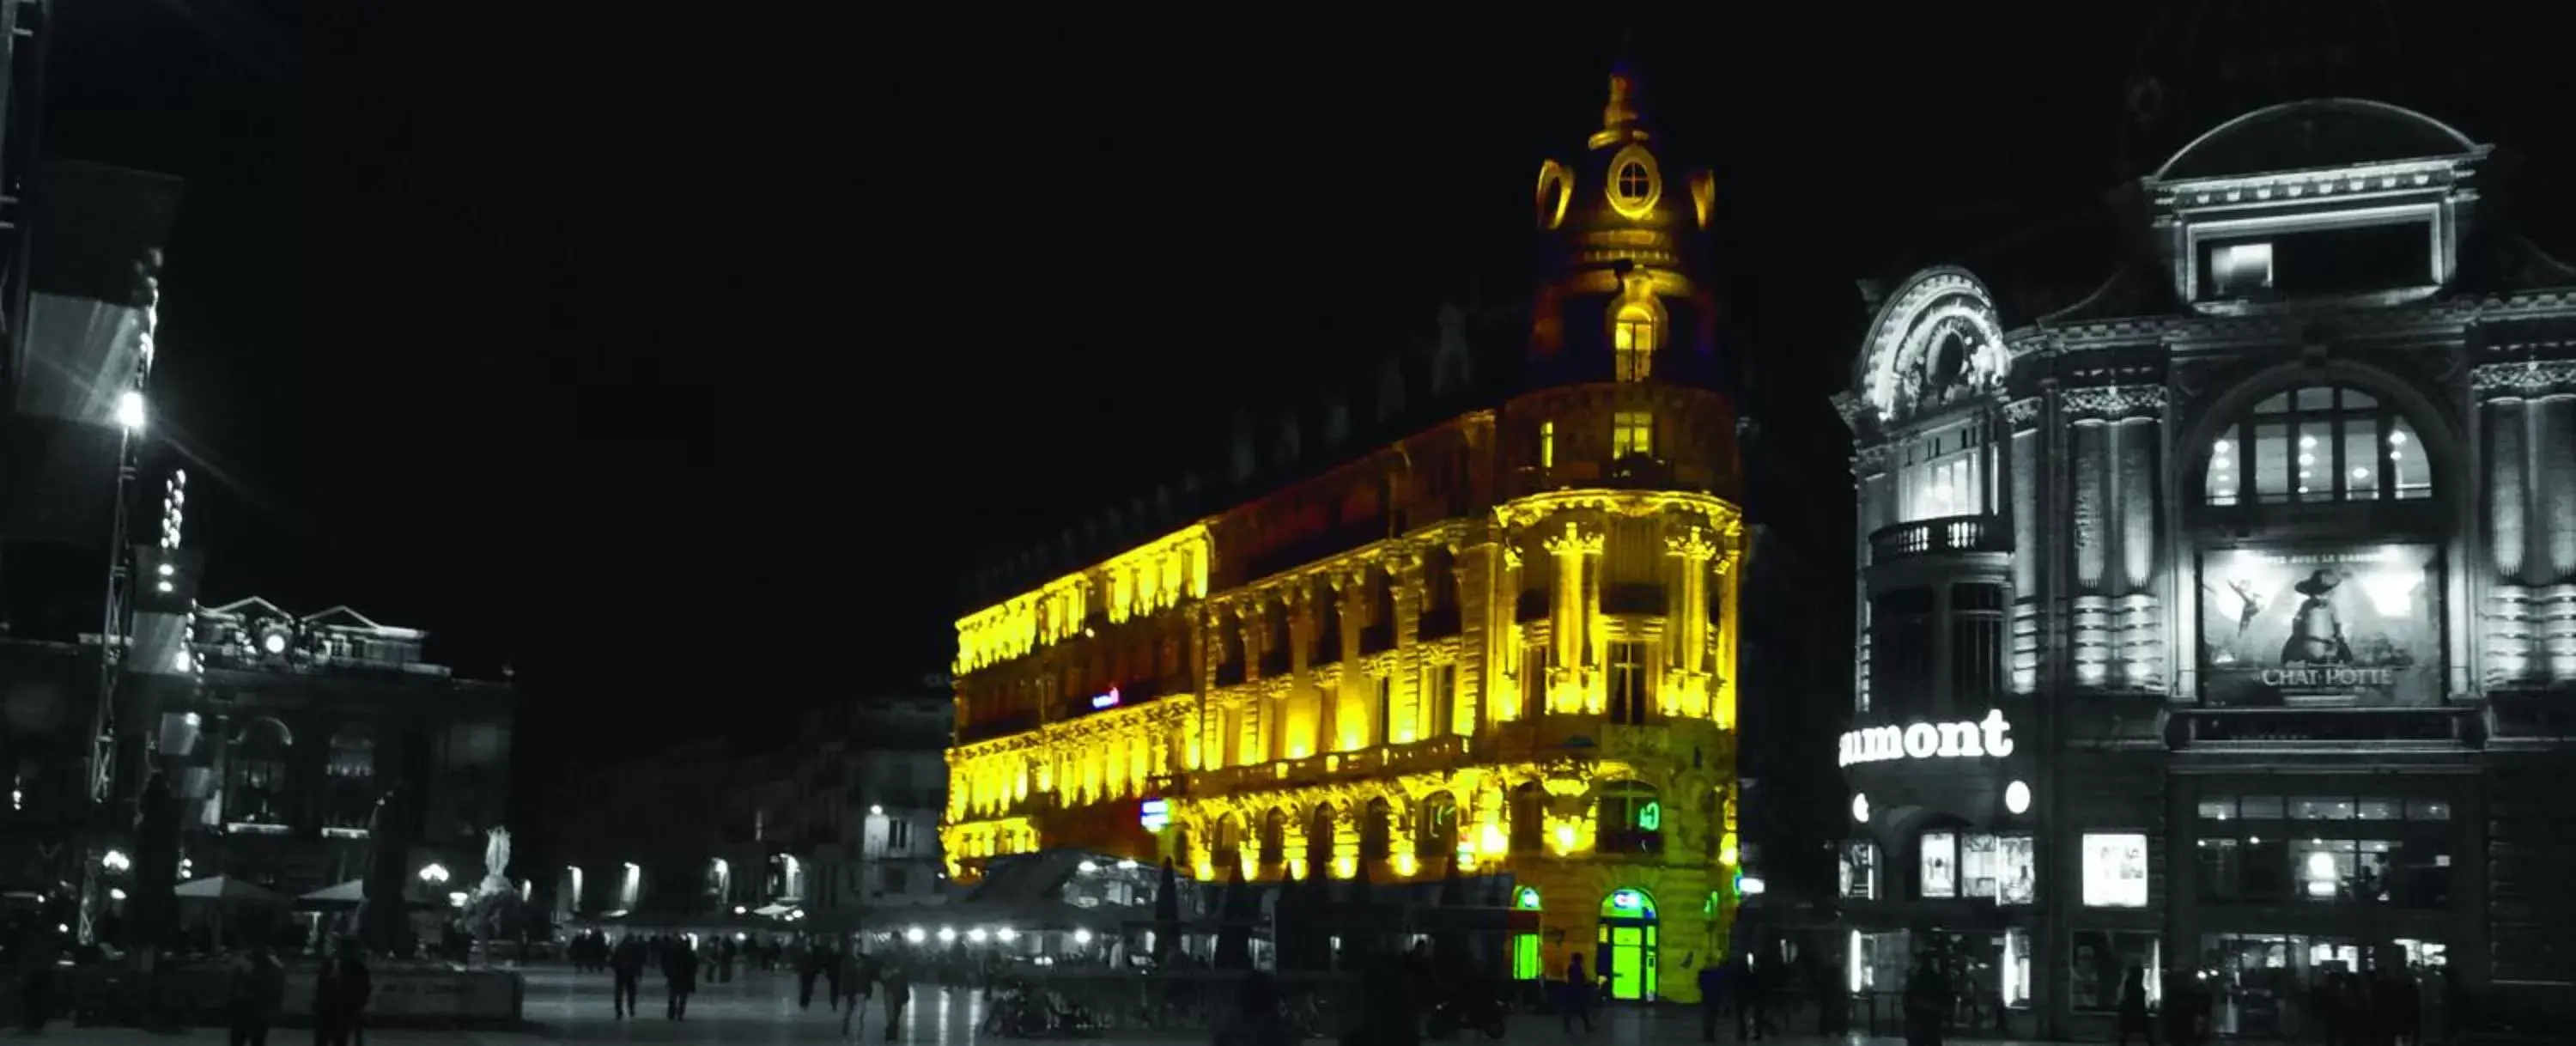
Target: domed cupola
{"points": [[1622, 287]]}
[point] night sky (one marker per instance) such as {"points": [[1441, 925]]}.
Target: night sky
{"points": [[684, 357]]}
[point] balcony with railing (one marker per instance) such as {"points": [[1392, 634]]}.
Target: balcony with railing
{"points": [[1946, 535], [2418, 728]]}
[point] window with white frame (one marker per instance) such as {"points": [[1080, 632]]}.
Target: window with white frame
{"points": [[1945, 475], [1860, 871]]}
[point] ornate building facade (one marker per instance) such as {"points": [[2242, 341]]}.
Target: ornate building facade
{"points": [[1502, 645], [2218, 621]]}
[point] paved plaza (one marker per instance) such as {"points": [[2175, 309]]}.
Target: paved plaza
{"points": [[758, 1008]]}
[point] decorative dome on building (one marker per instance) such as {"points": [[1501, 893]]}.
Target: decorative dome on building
{"points": [[1622, 273], [2312, 134]]}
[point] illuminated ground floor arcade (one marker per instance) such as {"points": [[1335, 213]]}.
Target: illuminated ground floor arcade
{"points": [[2257, 880]]}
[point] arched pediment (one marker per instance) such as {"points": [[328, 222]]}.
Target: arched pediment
{"points": [[1936, 341]]}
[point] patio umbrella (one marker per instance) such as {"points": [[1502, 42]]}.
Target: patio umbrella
{"points": [[342, 898], [225, 889]]}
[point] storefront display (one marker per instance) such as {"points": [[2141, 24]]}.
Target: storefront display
{"points": [[1940, 871], [2115, 870]]}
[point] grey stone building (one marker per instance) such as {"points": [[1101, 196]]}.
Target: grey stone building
{"points": [[2222, 618]]}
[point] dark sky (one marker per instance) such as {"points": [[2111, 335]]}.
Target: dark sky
{"points": [[684, 356]]}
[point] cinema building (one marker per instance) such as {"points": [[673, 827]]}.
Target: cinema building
{"points": [[1500, 644], [2218, 619]]}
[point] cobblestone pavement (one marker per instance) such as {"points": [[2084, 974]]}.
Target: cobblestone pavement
{"points": [[758, 1008]]}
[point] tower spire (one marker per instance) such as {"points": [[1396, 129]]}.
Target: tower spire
{"points": [[1622, 118]]}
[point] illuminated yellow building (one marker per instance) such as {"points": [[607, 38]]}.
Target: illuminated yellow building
{"points": [[1504, 643]]}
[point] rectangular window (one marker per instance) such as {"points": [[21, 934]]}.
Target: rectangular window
{"points": [[1628, 683], [1900, 653], [1547, 444], [1385, 710], [1439, 701], [2240, 269], [898, 836], [1976, 645], [1939, 865], [1632, 435], [2115, 870], [898, 880], [2217, 808]]}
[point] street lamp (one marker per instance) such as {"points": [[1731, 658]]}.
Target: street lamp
{"points": [[433, 873], [115, 861], [130, 410]]}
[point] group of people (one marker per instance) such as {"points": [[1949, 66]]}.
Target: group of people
{"points": [[257, 992], [849, 977]]}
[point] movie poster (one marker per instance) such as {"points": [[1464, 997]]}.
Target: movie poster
{"points": [[2321, 626]]}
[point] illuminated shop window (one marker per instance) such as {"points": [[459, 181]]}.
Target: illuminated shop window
{"points": [[2115, 870], [1633, 341], [1999, 868], [1527, 964], [1629, 819], [1632, 435], [1860, 871], [1938, 870], [2318, 444]]}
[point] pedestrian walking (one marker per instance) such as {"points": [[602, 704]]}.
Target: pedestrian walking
{"points": [[679, 977], [1578, 996], [258, 992], [898, 994]]}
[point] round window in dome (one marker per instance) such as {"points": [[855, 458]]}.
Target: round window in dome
{"points": [[1635, 184]]}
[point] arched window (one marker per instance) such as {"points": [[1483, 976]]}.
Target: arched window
{"points": [[1377, 831], [256, 786], [1274, 838], [2321, 443], [1319, 840], [1630, 819], [1529, 819], [1435, 832], [1634, 337], [1229, 844]]}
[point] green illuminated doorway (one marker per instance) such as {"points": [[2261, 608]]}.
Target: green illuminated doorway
{"points": [[1627, 945], [1526, 963]]}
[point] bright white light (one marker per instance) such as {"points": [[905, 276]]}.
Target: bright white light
{"points": [[947, 934], [274, 642], [1860, 807], [875, 810], [1007, 934], [1081, 936], [1126, 866], [738, 909], [2017, 797], [115, 861], [1753, 886], [2397, 439], [2392, 591], [456, 899], [166, 570], [915, 935], [116, 893], [1087, 867], [163, 587], [129, 410], [433, 873], [977, 935]]}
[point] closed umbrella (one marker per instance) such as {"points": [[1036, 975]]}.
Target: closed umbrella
{"points": [[152, 912], [384, 921], [1234, 938], [1167, 914]]}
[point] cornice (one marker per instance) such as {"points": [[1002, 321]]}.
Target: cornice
{"points": [[2112, 402]]}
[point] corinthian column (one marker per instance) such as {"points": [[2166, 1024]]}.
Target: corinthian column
{"points": [[1687, 671], [1568, 625]]}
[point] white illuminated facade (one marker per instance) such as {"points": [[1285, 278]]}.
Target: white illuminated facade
{"points": [[2209, 618]]}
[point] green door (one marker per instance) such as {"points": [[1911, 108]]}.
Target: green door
{"points": [[1627, 963]]}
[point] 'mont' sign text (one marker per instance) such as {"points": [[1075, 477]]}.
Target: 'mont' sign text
{"points": [[1991, 736]]}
